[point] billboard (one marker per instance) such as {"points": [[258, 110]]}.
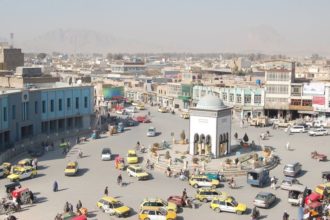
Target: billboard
{"points": [[313, 89], [111, 93], [318, 100]]}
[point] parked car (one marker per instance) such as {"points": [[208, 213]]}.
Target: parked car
{"points": [[318, 132], [264, 199], [288, 182], [151, 132], [20, 173], [297, 129], [292, 169], [106, 154]]}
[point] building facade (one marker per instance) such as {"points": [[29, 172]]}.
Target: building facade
{"points": [[10, 58], [25, 114]]}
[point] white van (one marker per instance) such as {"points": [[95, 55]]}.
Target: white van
{"points": [[297, 129]]}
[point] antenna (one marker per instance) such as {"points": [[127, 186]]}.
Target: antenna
{"points": [[11, 40]]}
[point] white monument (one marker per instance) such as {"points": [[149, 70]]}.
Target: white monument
{"points": [[210, 127]]}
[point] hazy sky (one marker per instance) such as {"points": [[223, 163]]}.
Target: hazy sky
{"points": [[288, 26]]}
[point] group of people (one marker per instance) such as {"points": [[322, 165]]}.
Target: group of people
{"points": [[68, 207]]}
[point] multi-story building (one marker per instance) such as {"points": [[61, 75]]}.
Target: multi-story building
{"points": [[10, 58], [135, 68], [278, 77], [43, 112], [247, 101]]}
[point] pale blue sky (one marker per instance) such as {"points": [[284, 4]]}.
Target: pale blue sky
{"points": [[292, 26]]}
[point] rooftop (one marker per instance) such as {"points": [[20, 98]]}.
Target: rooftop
{"points": [[210, 102]]}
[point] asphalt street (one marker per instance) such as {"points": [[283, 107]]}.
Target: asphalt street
{"points": [[95, 175]]}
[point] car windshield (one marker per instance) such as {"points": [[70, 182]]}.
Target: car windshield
{"points": [[139, 171], [261, 197], [234, 203], [70, 167], [117, 205], [132, 155], [18, 172], [106, 151], [151, 130], [288, 167]]}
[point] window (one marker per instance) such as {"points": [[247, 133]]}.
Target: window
{"points": [[68, 103], [239, 98], [35, 107], [306, 102], [60, 104], [295, 101], [4, 113], [86, 102], [257, 99], [43, 106], [231, 97], [52, 105], [224, 96], [77, 102], [247, 99], [13, 112]]}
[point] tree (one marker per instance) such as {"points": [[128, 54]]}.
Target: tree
{"points": [[41, 56], [245, 138]]}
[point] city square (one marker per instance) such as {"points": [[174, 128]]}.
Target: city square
{"points": [[94, 174]]}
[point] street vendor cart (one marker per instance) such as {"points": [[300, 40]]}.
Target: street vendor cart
{"points": [[119, 163]]}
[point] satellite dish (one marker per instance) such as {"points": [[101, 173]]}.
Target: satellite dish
{"points": [[79, 82]]}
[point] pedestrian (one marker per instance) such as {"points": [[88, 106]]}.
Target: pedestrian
{"points": [[285, 216], [66, 207], [148, 113], [79, 205], [273, 182], [106, 191], [288, 145], [119, 179], [71, 207], [184, 194], [31, 196], [55, 186], [236, 135]]}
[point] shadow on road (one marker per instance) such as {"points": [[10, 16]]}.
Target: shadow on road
{"points": [[42, 167], [63, 189], [179, 218], [82, 171], [41, 199]]}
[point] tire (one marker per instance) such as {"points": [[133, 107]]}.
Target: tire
{"points": [[239, 213], [205, 200], [213, 187], [218, 210], [146, 219], [195, 186]]}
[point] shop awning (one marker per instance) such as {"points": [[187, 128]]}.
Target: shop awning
{"points": [[308, 112]]}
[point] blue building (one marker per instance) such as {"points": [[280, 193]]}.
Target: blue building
{"points": [[28, 114]]}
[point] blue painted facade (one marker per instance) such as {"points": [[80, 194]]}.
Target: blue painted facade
{"points": [[29, 113]]}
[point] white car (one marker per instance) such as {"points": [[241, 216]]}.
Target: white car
{"points": [[151, 132], [131, 109], [318, 132], [297, 129], [106, 154]]}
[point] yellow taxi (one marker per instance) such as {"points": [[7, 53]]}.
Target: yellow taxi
{"points": [[320, 189], [156, 214], [71, 169], [140, 107], [25, 162], [158, 203], [138, 172], [20, 173], [208, 194], [203, 181], [132, 157], [162, 110], [112, 206], [227, 204], [185, 115]]}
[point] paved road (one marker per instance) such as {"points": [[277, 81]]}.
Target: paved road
{"points": [[95, 174]]}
